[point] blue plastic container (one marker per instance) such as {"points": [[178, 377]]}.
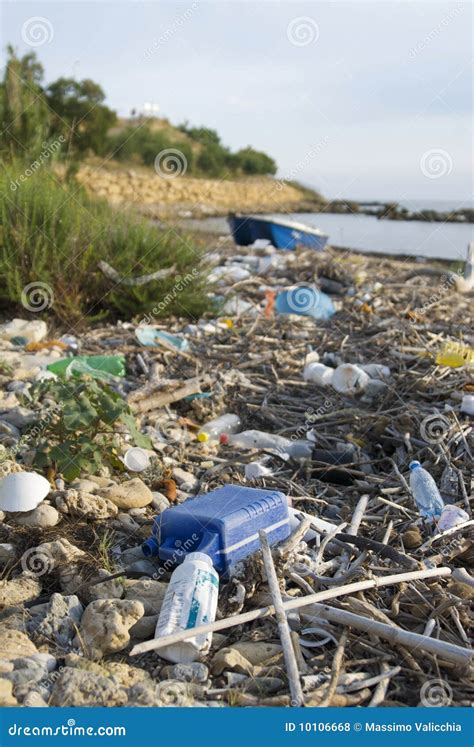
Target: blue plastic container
{"points": [[224, 524], [305, 300]]}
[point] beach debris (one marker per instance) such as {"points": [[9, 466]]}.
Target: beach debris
{"points": [[190, 600], [103, 367], [111, 273], [450, 517], [467, 404], [255, 470], [150, 337], [318, 373], [305, 300], [425, 492], [25, 329], [455, 354], [349, 379], [23, 491], [136, 459], [211, 431]]}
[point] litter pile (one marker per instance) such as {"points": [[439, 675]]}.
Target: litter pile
{"points": [[269, 506]]}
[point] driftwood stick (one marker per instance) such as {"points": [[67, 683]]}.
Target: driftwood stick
{"points": [[191, 386], [283, 627], [291, 604], [353, 529], [395, 635]]}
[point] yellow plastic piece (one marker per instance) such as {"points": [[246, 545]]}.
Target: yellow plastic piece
{"points": [[202, 437], [454, 355]]}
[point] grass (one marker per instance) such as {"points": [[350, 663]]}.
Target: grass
{"points": [[54, 234]]}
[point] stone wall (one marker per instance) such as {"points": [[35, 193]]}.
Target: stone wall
{"points": [[158, 196]]}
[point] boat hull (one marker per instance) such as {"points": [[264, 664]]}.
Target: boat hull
{"points": [[247, 229]]}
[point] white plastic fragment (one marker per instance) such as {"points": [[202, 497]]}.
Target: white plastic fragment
{"points": [[23, 491], [136, 459]]}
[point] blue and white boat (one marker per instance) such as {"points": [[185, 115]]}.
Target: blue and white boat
{"points": [[284, 234]]}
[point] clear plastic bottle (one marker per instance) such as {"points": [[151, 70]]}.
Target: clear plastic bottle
{"points": [[425, 492], [256, 440], [318, 373], [190, 601], [212, 430]]}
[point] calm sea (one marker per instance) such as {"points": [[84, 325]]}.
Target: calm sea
{"points": [[368, 234]]}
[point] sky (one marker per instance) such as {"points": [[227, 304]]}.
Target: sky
{"points": [[361, 100]]}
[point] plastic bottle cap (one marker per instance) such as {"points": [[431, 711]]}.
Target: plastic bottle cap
{"points": [[199, 556], [202, 436], [136, 459], [414, 465], [224, 438]]}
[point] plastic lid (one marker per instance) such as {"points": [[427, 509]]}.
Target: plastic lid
{"points": [[202, 436], [224, 438], [199, 556], [414, 465]]}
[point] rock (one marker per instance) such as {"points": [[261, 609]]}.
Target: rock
{"points": [[160, 502], [144, 629], [9, 435], [34, 700], [185, 480], [61, 620], [42, 516], [194, 672], [60, 552], [412, 537], [150, 593], [228, 658], [24, 588], [85, 486], [124, 521], [77, 687], [168, 693], [127, 676], [105, 625], [19, 417], [131, 494], [46, 661], [6, 697], [87, 505], [257, 653], [101, 482], [15, 644], [108, 589]]}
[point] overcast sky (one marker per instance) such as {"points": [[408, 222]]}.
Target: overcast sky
{"points": [[369, 100]]}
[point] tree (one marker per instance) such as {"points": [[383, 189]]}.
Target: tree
{"points": [[24, 114], [254, 162], [80, 114]]}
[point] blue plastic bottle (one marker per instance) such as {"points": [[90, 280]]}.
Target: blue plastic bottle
{"points": [[425, 492]]}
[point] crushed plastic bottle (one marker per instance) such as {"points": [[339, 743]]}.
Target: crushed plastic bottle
{"points": [[305, 300], [349, 379], [256, 440], [103, 367], [425, 492], [190, 601], [254, 470], [450, 517], [467, 404], [152, 337], [376, 370], [214, 429]]}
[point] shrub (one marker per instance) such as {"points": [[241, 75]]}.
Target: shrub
{"points": [[55, 234]]}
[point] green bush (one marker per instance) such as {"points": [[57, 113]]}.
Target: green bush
{"points": [[53, 233], [143, 145], [254, 162]]}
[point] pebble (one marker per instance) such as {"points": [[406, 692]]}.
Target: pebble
{"points": [[147, 591], [15, 644], [105, 626], [78, 688], [59, 623], [24, 588], [41, 517], [194, 672], [87, 505], [131, 494]]}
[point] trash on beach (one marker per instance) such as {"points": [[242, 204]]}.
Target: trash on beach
{"points": [[23, 491], [318, 373], [467, 404], [136, 459], [236, 306], [151, 337], [30, 331], [455, 354], [254, 439], [212, 430], [425, 492], [254, 470], [349, 379], [305, 300], [224, 524], [103, 367], [190, 601], [229, 274], [450, 517]]}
